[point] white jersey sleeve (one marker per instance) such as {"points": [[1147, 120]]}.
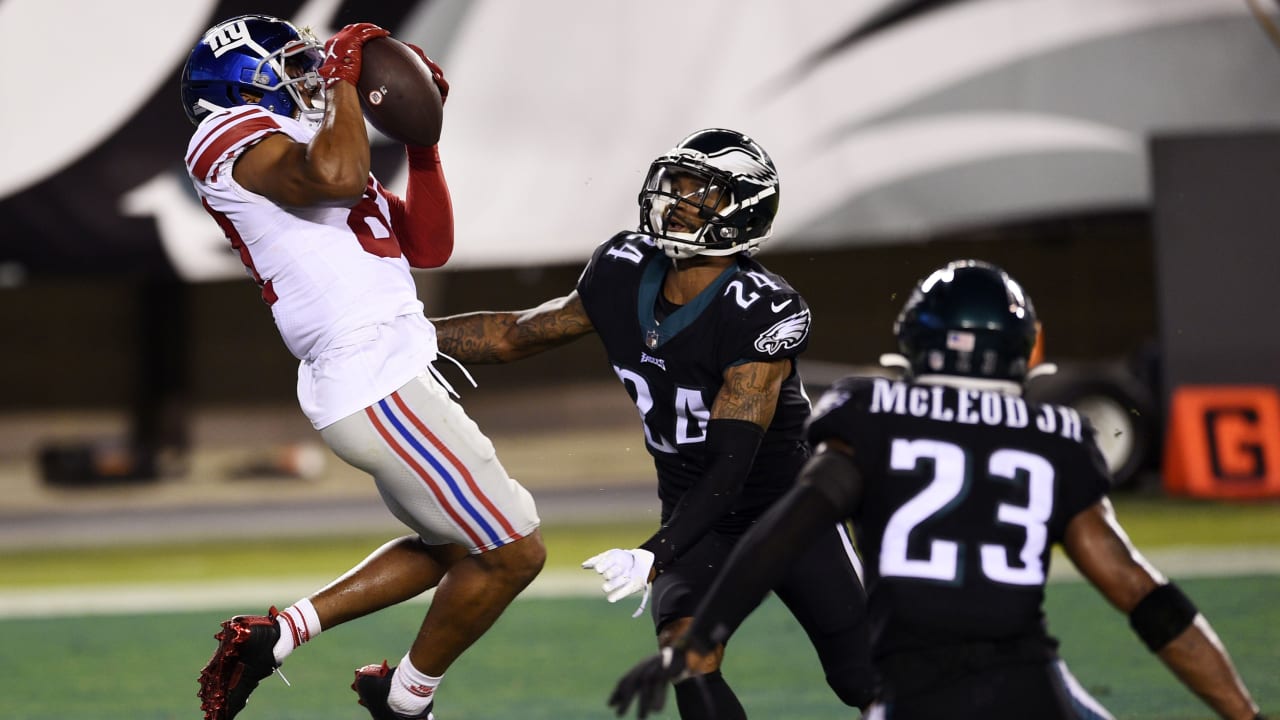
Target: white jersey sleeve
{"points": [[330, 275]]}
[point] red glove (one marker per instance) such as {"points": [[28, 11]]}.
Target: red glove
{"points": [[436, 73], [342, 52]]}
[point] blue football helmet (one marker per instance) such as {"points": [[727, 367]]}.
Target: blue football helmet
{"points": [[969, 318], [249, 55], [715, 193]]}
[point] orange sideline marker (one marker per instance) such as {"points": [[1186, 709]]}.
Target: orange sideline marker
{"points": [[1223, 442]]}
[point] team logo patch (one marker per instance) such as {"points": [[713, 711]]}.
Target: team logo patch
{"points": [[785, 334]]}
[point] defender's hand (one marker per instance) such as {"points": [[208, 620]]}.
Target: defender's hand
{"points": [[436, 73], [342, 53], [647, 683], [625, 572]]}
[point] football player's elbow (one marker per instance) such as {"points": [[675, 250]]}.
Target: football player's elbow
{"points": [[339, 184], [345, 191]]}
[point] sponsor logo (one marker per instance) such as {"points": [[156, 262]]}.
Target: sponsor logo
{"points": [[777, 307], [421, 690]]}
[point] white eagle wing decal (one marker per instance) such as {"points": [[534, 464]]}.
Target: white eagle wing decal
{"points": [[785, 334]]}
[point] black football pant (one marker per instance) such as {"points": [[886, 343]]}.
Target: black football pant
{"points": [[1044, 691], [822, 591]]}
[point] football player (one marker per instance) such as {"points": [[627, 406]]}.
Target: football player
{"points": [[705, 340], [280, 160], [958, 488]]}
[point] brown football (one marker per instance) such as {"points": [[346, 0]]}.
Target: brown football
{"points": [[397, 94]]}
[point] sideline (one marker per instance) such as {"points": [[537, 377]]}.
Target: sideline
{"points": [[254, 594]]}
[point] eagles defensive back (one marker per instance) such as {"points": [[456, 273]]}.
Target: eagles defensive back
{"points": [[671, 361], [704, 339], [958, 488]]}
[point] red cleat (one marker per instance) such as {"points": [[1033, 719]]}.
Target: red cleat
{"points": [[373, 685], [244, 657]]}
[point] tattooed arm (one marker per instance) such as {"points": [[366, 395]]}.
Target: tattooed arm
{"points": [[499, 337], [742, 411], [750, 392]]}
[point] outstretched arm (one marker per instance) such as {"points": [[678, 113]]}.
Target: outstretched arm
{"points": [[1164, 618], [499, 337]]}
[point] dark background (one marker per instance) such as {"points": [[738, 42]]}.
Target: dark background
{"points": [[84, 341]]}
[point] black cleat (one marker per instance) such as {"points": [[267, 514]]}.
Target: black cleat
{"points": [[244, 656], [373, 685]]}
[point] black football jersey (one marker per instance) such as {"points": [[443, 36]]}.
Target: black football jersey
{"points": [[965, 492], [674, 368]]}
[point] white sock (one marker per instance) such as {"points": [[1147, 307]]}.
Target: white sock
{"points": [[298, 623], [411, 689]]}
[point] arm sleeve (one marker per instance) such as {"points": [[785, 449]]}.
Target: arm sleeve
{"points": [[759, 561], [731, 450], [423, 220]]}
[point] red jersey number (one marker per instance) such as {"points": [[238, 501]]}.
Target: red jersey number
{"points": [[368, 221]]}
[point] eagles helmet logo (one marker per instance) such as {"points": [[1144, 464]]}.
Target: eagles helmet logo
{"points": [[785, 334]]}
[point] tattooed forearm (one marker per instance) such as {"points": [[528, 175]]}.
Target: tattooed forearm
{"points": [[498, 337], [475, 337], [750, 392]]}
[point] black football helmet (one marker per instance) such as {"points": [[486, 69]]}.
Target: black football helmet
{"points": [[715, 193], [971, 319]]}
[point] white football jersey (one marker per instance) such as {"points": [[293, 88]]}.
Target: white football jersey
{"points": [[337, 283]]}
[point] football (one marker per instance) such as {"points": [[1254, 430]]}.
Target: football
{"points": [[397, 94]]}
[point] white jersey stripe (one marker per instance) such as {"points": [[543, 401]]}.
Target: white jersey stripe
{"points": [[225, 136], [1082, 702], [843, 531]]}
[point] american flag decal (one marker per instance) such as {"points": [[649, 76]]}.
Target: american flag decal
{"points": [[961, 341]]}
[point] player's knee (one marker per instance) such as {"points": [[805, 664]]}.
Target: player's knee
{"points": [[526, 557], [710, 663]]}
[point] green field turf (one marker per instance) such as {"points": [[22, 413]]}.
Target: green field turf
{"points": [[555, 659]]}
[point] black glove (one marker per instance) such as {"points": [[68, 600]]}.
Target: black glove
{"points": [[647, 681]]}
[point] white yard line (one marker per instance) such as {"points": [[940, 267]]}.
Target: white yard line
{"points": [[250, 594], [255, 594]]}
